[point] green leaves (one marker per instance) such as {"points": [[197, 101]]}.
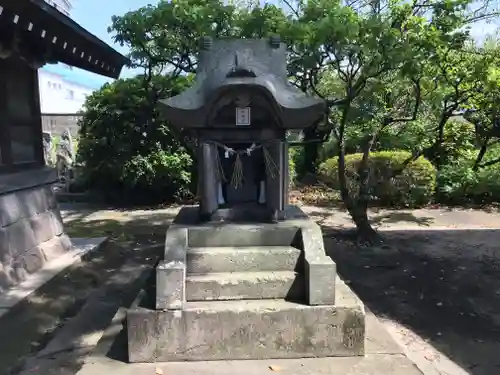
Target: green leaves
{"points": [[125, 146]]}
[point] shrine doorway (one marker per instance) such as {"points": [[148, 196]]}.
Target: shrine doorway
{"points": [[244, 179]]}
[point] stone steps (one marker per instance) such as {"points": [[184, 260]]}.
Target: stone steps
{"points": [[203, 260], [245, 285]]}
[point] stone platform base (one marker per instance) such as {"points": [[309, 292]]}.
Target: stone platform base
{"points": [[248, 329], [31, 227]]}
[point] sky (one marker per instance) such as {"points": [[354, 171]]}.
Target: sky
{"points": [[95, 16]]}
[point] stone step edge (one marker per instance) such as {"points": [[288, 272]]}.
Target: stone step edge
{"points": [[203, 260], [257, 276], [262, 305], [237, 249], [245, 285]]}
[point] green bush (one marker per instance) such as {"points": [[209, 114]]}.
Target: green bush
{"points": [[125, 150], [459, 184], [292, 152], [459, 140], [412, 187]]}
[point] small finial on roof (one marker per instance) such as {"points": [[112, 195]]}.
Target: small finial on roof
{"points": [[206, 43], [275, 41]]}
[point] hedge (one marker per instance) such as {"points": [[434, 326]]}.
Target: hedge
{"points": [[414, 186]]}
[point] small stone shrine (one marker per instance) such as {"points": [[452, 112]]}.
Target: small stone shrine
{"points": [[244, 275]]}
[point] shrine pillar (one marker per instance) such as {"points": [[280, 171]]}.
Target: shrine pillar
{"points": [[207, 175], [277, 180]]}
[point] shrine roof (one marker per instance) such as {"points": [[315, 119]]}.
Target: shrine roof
{"points": [[243, 64], [62, 39]]}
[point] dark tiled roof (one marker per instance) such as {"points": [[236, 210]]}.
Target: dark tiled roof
{"points": [[62, 39]]}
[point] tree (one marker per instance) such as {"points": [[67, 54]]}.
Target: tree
{"points": [[127, 152], [458, 77], [482, 109], [367, 51]]}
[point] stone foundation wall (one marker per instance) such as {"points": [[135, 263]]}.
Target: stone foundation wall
{"points": [[31, 233]]}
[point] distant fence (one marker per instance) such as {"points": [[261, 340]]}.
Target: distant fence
{"points": [[56, 123]]}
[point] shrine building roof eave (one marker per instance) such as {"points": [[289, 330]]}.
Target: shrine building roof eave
{"points": [[284, 94], [64, 40], [192, 118]]}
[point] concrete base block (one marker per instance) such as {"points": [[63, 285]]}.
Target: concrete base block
{"points": [[250, 329], [170, 285]]}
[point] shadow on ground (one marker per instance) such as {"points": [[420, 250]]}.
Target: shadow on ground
{"points": [[400, 217], [443, 285], [377, 217], [115, 224]]}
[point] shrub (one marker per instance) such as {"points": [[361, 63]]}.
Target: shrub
{"points": [[459, 139], [412, 187], [292, 152], [125, 150], [459, 184]]}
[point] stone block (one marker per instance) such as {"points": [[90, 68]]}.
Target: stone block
{"points": [[19, 238], [4, 278], [66, 242], [33, 259], [12, 274], [50, 197], [176, 243], [5, 255], [320, 275], [319, 269], [42, 226], [10, 211], [170, 285], [33, 201], [233, 330], [55, 247], [171, 272], [56, 221]]}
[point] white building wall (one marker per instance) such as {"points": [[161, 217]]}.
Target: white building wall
{"points": [[59, 95], [64, 6]]}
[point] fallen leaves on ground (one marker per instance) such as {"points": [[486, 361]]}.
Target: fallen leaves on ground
{"points": [[274, 368], [314, 194]]}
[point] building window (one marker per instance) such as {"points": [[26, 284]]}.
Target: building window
{"points": [[70, 95]]}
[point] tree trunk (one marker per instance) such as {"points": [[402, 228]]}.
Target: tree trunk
{"points": [[480, 156], [359, 215], [439, 156], [357, 208]]}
